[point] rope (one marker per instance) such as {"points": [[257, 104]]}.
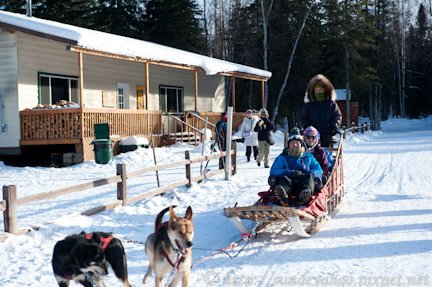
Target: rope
{"points": [[244, 237], [135, 241], [232, 246]]}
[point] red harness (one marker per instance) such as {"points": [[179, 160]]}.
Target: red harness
{"points": [[176, 264], [105, 240], [180, 257]]}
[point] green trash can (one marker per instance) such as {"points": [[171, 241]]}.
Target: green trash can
{"points": [[103, 150]]}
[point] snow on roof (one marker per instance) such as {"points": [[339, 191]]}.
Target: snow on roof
{"points": [[340, 94], [129, 47]]}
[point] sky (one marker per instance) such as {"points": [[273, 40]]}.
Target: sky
{"points": [[382, 235]]}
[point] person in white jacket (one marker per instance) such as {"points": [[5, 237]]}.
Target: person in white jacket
{"points": [[246, 131]]}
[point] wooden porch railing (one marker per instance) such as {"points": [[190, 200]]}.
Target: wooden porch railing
{"points": [[57, 126], [199, 121], [71, 125], [123, 122], [183, 131]]}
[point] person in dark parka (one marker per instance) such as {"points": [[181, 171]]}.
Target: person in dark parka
{"points": [[221, 132], [264, 128], [321, 110]]}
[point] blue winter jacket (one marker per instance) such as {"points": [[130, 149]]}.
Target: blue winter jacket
{"points": [[285, 164]]}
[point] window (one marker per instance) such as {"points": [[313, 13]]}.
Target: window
{"points": [[171, 99], [53, 88]]}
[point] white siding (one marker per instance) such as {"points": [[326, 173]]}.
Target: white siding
{"points": [[8, 89], [36, 54], [103, 74], [210, 88]]}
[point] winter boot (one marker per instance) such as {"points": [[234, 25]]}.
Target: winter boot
{"points": [[281, 193], [304, 196]]}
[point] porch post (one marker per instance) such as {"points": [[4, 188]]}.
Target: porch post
{"points": [[146, 84], [262, 94], [196, 89], [81, 75], [233, 93]]}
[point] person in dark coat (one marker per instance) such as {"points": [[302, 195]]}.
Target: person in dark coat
{"points": [[321, 110], [264, 127], [221, 132]]}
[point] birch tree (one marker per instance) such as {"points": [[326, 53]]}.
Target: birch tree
{"points": [[401, 21], [289, 63], [265, 17]]}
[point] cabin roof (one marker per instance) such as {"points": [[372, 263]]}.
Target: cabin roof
{"points": [[90, 40]]}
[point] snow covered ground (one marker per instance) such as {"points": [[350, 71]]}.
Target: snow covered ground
{"points": [[382, 236]]}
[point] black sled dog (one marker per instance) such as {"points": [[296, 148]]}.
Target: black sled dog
{"points": [[85, 257], [170, 247]]}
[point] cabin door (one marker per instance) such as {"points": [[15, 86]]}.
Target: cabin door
{"points": [[171, 102], [123, 96]]}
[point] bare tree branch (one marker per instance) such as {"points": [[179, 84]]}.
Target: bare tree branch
{"points": [[265, 18], [279, 97]]}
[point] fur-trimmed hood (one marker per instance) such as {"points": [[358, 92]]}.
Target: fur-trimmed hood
{"points": [[324, 81]]}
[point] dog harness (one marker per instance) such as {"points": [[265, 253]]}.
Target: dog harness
{"points": [[179, 260], [105, 240], [180, 257]]}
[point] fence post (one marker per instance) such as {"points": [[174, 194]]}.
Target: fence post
{"points": [[234, 157], [10, 214], [188, 169], [367, 126], [121, 186], [362, 128], [344, 133]]}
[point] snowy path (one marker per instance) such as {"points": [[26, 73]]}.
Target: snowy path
{"points": [[382, 236]]}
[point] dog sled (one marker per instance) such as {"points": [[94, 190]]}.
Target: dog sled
{"points": [[303, 220]]}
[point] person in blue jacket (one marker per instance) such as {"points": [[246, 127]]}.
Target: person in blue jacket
{"points": [[295, 174]]}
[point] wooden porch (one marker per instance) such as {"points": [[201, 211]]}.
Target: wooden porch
{"points": [[74, 127]]}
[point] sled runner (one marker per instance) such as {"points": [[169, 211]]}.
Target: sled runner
{"points": [[304, 220]]}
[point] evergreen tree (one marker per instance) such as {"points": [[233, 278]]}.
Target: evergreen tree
{"points": [[175, 23], [74, 12], [121, 17], [419, 76], [18, 6], [383, 62]]}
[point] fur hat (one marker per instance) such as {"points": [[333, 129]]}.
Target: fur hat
{"points": [[310, 130], [295, 135], [264, 113], [330, 93]]}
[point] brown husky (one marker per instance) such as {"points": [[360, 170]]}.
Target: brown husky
{"points": [[170, 247]]}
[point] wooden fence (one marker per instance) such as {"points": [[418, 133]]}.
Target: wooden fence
{"points": [[10, 201]]}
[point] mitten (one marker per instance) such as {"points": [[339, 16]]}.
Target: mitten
{"points": [[296, 173]]}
